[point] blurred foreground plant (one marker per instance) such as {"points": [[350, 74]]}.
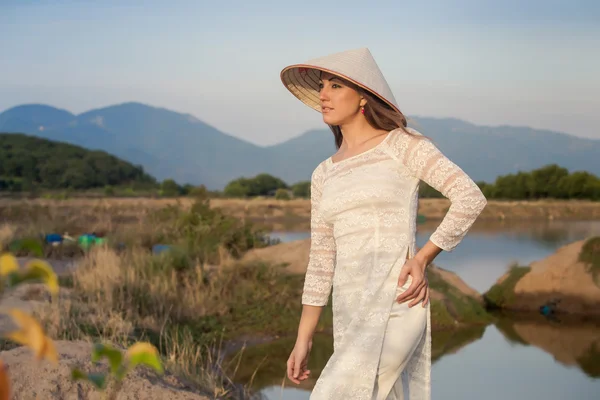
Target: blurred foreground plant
{"points": [[31, 334], [140, 353]]}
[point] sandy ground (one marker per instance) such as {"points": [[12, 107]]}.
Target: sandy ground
{"points": [[43, 380], [32, 380]]}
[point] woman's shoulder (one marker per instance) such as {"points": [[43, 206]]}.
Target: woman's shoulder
{"points": [[320, 170], [405, 132], [403, 137]]}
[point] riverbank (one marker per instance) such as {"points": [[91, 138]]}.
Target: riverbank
{"points": [[119, 214]]}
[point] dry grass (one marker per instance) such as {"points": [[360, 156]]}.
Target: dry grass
{"points": [[32, 217], [7, 233], [119, 299], [135, 295]]}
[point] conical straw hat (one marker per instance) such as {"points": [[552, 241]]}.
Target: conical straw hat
{"points": [[358, 66]]}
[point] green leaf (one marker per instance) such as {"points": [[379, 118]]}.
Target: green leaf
{"points": [[77, 374], [146, 358], [97, 379], [8, 264], [36, 271], [114, 356]]}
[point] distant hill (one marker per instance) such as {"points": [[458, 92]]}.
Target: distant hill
{"points": [[27, 161], [166, 143], [179, 146]]}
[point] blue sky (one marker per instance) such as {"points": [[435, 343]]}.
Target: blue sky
{"points": [[531, 62]]}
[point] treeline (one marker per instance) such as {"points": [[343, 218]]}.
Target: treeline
{"points": [[266, 185], [549, 182], [29, 163], [271, 186]]}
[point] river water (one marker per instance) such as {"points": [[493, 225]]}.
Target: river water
{"points": [[533, 358]]}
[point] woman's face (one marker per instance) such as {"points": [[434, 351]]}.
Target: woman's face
{"points": [[339, 102]]}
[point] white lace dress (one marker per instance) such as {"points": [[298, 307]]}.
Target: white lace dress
{"points": [[363, 226]]}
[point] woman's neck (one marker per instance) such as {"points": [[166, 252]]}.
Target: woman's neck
{"points": [[357, 132]]}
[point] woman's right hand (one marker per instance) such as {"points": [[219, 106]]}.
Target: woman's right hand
{"points": [[298, 362]]}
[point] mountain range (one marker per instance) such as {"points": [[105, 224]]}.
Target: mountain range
{"points": [[168, 144]]}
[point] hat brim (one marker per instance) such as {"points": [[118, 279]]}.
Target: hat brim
{"points": [[302, 80]]}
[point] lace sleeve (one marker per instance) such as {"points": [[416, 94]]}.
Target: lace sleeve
{"points": [[321, 260], [426, 162]]}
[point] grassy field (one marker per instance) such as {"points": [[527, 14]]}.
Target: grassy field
{"points": [[190, 301], [126, 216]]}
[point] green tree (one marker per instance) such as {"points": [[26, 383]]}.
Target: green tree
{"points": [[282, 194], [580, 185], [545, 181], [199, 192], [237, 188], [170, 188], [263, 184], [260, 185], [301, 189], [187, 189], [47, 164]]}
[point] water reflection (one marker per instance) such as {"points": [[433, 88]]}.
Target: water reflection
{"points": [[516, 358], [572, 343], [498, 368], [264, 364]]}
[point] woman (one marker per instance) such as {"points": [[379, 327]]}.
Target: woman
{"points": [[364, 202]]}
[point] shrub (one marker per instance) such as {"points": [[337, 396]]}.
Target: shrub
{"points": [[170, 188], [301, 189], [502, 295], [206, 234], [282, 194]]}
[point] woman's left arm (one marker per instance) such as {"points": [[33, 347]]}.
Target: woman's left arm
{"points": [[427, 163]]}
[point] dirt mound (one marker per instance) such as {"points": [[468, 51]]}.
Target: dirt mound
{"points": [[559, 282], [455, 281], [294, 254], [32, 380]]}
